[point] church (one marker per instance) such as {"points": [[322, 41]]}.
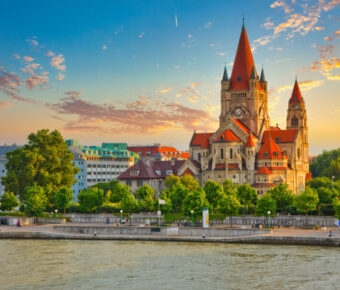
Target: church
{"points": [[245, 148]]}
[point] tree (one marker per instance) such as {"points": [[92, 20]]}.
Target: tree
{"points": [[282, 196], [45, 161], [8, 201], [129, 204], [195, 201], [171, 181], [145, 195], [229, 205], [167, 207], [214, 192], [306, 201], [323, 165], [91, 198], [118, 191], [63, 198], [319, 182], [189, 182], [247, 196], [229, 187], [35, 201], [177, 195], [336, 206], [264, 204], [326, 197]]}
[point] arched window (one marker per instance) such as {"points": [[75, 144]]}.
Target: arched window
{"points": [[221, 138], [231, 153], [222, 153]]}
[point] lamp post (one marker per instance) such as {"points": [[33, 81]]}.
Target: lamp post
{"points": [[56, 211], [192, 218], [121, 217], [269, 212], [333, 182]]}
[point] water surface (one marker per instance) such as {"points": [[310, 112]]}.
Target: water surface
{"points": [[58, 264]]}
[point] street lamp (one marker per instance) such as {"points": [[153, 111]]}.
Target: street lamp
{"points": [[333, 182], [192, 218], [121, 217], [56, 211], [269, 212]]}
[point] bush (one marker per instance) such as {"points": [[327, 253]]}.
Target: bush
{"points": [[107, 208]]}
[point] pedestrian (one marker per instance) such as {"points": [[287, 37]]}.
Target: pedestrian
{"points": [[330, 235]]}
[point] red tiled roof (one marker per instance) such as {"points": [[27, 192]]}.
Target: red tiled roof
{"points": [[154, 150], [201, 139], [188, 171], [231, 166], [281, 136], [250, 141], [296, 97], [243, 64], [264, 171], [242, 126], [185, 155], [228, 136], [272, 128], [270, 150], [308, 176]]}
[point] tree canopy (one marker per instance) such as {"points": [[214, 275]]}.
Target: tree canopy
{"points": [[145, 194], [91, 198], [214, 192], [35, 200], [282, 196], [195, 200], [63, 198], [247, 196], [229, 205], [306, 201], [264, 204], [327, 164], [118, 191], [45, 161], [8, 201]]}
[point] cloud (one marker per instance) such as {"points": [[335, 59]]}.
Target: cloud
{"points": [[60, 76], [283, 5], [141, 35], [208, 25], [28, 58], [104, 47], [57, 62], [334, 78], [220, 53], [16, 56], [304, 86], [177, 67], [319, 28], [325, 65], [35, 80], [33, 41], [193, 99], [50, 53], [4, 105], [163, 91], [141, 115], [176, 21], [336, 35]]}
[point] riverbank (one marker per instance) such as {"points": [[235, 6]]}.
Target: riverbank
{"points": [[279, 236]]}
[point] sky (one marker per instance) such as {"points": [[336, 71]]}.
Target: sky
{"points": [[146, 72]]}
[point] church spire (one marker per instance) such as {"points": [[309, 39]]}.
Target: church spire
{"points": [[262, 78], [253, 74], [296, 97], [243, 64], [225, 74]]}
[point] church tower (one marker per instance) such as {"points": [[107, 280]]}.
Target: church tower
{"points": [[244, 95]]}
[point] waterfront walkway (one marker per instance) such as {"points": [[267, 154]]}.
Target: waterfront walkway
{"points": [[278, 236]]}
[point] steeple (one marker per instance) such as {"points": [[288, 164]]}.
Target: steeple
{"points": [[253, 74], [262, 78], [225, 74], [296, 97], [250, 141], [243, 64]]}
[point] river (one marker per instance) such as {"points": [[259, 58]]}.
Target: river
{"points": [[67, 264]]}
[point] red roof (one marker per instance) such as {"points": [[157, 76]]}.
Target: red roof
{"points": [[243, 64], [250, 141], [270, 150], [264, 171], [231, 166], [227, 136], [280, 136], [308, 176], [188, 171], [242, 126], [201, 139], [296, 97], [152, 151], [185, 155], [272, 128]]}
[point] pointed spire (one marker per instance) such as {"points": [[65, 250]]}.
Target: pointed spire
{"points": [[296, 97], [243, 64], [243, 23], [225, 74], [250, 141], [263, 78], [253, 74]]}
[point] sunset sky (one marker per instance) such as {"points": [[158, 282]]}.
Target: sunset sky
{"points": [[149, 71]]}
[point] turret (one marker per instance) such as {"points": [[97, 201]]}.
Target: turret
{"points": [[263, 81], [225, 80], [253, 80]]}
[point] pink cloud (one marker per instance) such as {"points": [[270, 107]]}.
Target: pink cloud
{"points": [[57, 62], [28, 58], [5, 105]]}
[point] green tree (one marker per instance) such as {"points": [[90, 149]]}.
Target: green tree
{"points": [[214, 192], [323, 165], [8, 201], [189, 182], [282, 196], [91, 198], [229, 187], [195, 200], [306, 201], [129, 204], [118, 191], [171, 181], [326, 197], [35, 201], [229, 205], [319, 182], [264, 204], [63, 198], [145, 194], [45, 161], [167, 207], [177, 195], [247, 196], [336, 206]]}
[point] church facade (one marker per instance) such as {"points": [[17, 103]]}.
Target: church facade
{"points": [[245, 148]]}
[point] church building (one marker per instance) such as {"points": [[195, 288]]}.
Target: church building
{"points": [[245, 148]]}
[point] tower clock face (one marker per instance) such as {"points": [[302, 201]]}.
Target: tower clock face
{"points": [[238, 111]]}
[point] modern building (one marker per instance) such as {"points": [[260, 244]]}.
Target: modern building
{"points": [[158, 152], [245, 148], [3, 160], [153, 172], [99, 163]]}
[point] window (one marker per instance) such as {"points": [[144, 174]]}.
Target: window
{"points": [[265, 154], [276, 154], [231, 153], [239, 78], [277, 139], [134, 173], [148, 154], [222, 154], [139, 182], [221, 138], [199, 156], [128, 182], [169, 172], [158, 172]]}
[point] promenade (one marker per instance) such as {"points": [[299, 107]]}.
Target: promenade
{"points": [[278, 236]]}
